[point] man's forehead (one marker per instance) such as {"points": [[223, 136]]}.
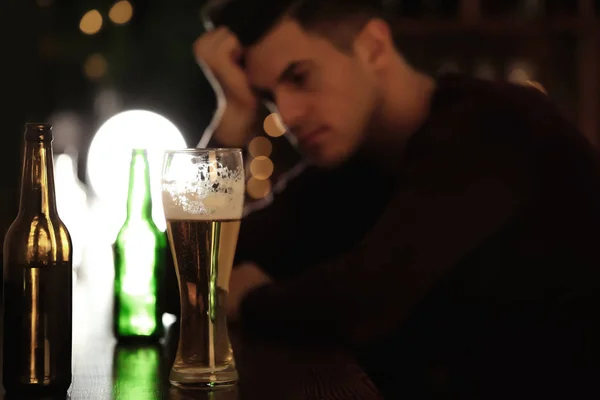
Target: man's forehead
{"points": [[287, 42]]}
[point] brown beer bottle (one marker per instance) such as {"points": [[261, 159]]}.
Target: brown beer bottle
{"points": [[37, 321]]}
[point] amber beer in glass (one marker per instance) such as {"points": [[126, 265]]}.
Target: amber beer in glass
{"points": [[203, 198]]}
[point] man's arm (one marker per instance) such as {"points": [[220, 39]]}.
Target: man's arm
{"points": [[444, 208]]}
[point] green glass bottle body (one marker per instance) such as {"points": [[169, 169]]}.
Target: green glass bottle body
{"points": [[139, 253], [38, 279]]}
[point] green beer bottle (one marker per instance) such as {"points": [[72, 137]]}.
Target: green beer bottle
{"points": [[139, 256]]}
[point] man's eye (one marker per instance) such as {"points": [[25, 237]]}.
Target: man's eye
{"points": [[298, 79]]}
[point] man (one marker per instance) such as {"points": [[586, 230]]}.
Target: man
{"points": [[473, 271]]}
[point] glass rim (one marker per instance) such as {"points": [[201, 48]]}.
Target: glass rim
{"points": [[196, 150]]}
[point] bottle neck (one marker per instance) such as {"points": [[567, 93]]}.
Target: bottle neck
{"points": [[139, 199], [37, 179]]}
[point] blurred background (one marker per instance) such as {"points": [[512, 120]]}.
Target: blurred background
{"points": [[112, 75]]}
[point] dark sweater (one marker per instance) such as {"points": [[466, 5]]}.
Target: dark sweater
{"points": [[471, 271]]}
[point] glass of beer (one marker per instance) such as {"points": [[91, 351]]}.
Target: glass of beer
{"points": [[203, 198]]}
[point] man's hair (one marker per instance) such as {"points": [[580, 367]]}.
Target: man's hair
{"points": [[338, 20]]}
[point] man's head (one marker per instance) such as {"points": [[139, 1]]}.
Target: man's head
{"points": [[326, 65]]}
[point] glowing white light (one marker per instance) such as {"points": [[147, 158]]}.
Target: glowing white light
{"points": [[110, 155], [168, 319], [71, 203]]}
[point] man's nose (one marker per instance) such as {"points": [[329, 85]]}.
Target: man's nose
{"points": [[292, 109]]}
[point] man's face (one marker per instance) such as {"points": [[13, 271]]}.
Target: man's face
{"points": [[326, 97]]}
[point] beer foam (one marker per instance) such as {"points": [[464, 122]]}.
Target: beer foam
{"points": [[220, 197], [213, 207]]}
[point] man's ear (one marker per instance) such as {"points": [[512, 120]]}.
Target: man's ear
{"points": [[374, 44]]}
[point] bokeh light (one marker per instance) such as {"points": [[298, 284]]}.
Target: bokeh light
{"points": [[261, 168], [91, 22], [95, 66], [121, 12], [110, 154], [260, 146], [273, 125], [258, 188]]}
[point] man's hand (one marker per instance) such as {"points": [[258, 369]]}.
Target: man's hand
{"points": [[220, 52], [244, 279]]}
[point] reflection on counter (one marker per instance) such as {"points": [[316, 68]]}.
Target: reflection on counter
{"points": [[136, 372], [220, 394]]}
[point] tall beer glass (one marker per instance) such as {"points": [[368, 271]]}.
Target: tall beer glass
{"points": [[203, 198]]}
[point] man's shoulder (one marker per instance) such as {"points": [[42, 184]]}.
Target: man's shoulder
{"points": [[474, 122], [484, 101], [465, 109], [490, 92]]}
